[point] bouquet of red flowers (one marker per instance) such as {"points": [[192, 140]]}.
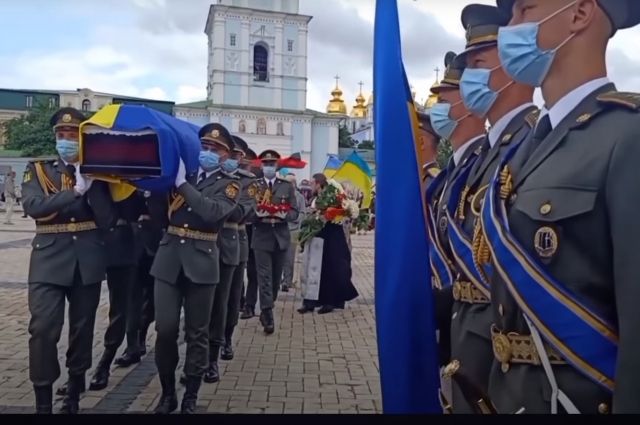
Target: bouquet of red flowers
{"points": [[266, 207]]}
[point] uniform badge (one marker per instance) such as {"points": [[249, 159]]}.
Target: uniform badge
{"points": [[231, 190], [546, 242], [507, 138], [252, 190], [442, 224], [215, 133], [26, 177], [583, 118], [66, 118]]}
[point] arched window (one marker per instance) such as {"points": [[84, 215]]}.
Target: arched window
{"points": [[242, 127], [280, 129], [86, 105], [262, 126], [260, 62]]}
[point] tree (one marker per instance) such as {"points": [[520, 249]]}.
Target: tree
{"points": [[344, 138], [32, 134], [366, 144], [444, 153]]}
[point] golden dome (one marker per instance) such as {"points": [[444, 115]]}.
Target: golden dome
{"points": [[336, 105], [433, 98], [360, 109]]}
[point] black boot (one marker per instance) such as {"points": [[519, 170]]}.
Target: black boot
{"points": [[247, 313], [227, 348], [62, 391], [325, 309], [100, 378], [266, 319], [212, 375], [168, 401], [128, 359], [191, 395], [71, 401], [44, 399], [143, 340]]}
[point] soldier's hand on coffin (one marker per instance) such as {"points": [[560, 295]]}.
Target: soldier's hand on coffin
{"points": [[83, 183], [262, 213], [282, 215], [181, 177]]}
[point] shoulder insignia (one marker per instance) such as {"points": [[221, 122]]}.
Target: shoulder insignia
{"points": [[433, 172], [232, 190], [532, 118], [27, 176], [626, 99], [252, 189], [246, 173]]}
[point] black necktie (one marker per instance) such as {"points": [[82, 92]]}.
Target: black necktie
{"points": [[201, 177], [542, 130], [270, 186]]}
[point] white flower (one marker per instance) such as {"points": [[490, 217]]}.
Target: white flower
{"points": [[335, 184], [351, 207]]}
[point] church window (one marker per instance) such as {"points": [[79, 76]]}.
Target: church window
{"points": [[86, 105], [280, 129], [262, 126], [232, 40], [242, 127], [52, 102], [260, 63], [290, 45], [29, 102]]}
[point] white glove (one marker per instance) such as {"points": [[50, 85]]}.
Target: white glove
{"points": [[181, 177], [262, 214], [281, 214], [83, 183]]}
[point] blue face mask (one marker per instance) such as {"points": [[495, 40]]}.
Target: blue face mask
{"points": [[520, 55], [67, 149], [476, 94], [442, 123], [230, 165], [209, 161], [269, 171]]}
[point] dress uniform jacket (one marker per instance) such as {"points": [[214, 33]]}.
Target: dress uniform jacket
{"points": [[119, 239], [471, 321], [228, 239], [206, 206], [579, 188], [269, 235], [56, 255], [248, 201]]}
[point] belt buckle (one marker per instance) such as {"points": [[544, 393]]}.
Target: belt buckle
{"points": [[502, 350], [456, 291], [182, 232], [72, 227]]}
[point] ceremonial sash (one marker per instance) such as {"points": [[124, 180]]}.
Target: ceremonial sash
{"points": [[440, 266], [583, 337], [461, 246]]}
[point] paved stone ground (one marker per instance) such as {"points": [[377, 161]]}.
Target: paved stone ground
{"points": [[312, 364]]}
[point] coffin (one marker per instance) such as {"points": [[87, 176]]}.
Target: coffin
{"points": [[137, 144]]}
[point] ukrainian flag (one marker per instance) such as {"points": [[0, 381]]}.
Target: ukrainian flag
{"points": [[355, 170], [405, 316], [333, 163]]}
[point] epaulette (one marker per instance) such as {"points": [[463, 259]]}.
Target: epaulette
{"points": [[229, 175], [626, 99], [532, 117], [433, 172], [282, 179], [245, 173]]}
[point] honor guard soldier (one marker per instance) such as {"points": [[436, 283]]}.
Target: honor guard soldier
{"points": [[250, 294], [427, 149], [271, 237], [451, 121], [68, 261], [488, 93], [229, 246], [186, 266], [561, 219], [121, 276], [248, 200]]}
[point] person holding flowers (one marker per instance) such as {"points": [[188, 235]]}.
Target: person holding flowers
{"points": [[329, 211]]}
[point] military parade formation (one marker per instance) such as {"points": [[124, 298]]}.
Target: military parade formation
{"points": [[160, 253], [531, 224]]}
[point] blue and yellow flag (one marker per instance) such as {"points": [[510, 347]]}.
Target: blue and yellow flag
{"points": [[333, 163], [405, 315], [355, 170]]}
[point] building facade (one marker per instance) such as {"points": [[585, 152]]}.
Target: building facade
{"points": [[16, 103], [257, 81]]}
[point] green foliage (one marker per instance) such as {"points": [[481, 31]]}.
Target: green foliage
{"points": [[344, 137], [366, 144], [32, 133], [444, 153]]}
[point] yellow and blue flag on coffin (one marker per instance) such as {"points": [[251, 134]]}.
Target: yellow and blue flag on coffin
{"points": [[356, 171], [405, 315], [332, 165]]}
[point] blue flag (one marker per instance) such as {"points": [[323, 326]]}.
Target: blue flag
{"points": [[405, 315]]}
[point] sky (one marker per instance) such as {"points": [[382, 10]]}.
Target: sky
{"points": [[158, 49]]}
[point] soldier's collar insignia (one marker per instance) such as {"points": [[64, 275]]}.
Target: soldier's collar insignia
{"points": [[506, 138], [546, 242], [583, 118]]}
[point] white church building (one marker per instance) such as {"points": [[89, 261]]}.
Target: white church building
{"points": [[257, 81]]}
